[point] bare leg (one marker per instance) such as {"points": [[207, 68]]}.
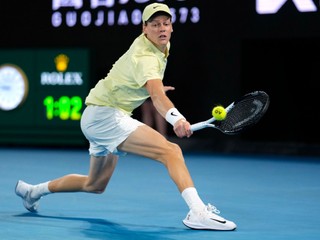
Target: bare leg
{"points": [[101, 170], [147, 142]]}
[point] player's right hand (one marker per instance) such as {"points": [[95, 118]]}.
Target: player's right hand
{"points": [[182, 128]]}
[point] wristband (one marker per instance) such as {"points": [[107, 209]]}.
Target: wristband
{"points": [[173, 115]]}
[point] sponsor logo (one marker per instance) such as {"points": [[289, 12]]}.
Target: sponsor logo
{"points": [[110, 13], [273, 6]]}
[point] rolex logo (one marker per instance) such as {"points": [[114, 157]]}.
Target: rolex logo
{"points": [[61, 62]]}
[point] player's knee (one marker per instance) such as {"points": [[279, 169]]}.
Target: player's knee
{"points": [[176, 150], [95, 188], [173, 153], [98, 191]]}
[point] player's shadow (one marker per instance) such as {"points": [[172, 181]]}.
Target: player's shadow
{"points": [[104, 229]]}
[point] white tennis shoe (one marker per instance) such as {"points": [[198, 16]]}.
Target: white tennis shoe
{"points": [[207, 219], [24, 190]]}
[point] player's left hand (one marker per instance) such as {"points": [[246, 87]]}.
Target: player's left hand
{"points": [[168, 88]]}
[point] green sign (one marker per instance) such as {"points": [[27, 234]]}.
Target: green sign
{"points": [[42, 94]]}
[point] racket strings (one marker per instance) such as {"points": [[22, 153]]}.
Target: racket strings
{"points": [[245, 112]]}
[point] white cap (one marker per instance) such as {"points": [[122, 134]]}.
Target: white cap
{"points": [[153, 8]]}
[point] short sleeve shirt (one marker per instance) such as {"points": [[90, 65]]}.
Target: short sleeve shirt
{"points": [[123, 88]]}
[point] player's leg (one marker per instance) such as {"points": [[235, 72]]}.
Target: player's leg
{"points": [[149, 143], [101, 170]]}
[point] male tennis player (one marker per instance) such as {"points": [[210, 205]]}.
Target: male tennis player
{"points": [[107, 124]]}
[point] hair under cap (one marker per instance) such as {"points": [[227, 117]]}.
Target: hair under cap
{"points": [[154, 8]]}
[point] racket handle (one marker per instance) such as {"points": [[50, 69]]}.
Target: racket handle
{"points": [[197, 126]]}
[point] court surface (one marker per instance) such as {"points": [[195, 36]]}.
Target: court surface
{"points": [[268, 197]]}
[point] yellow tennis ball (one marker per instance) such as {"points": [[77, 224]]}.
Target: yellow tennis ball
{"points": [[219, 113]]}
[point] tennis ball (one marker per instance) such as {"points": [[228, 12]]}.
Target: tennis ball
{"points": [[219, 113]]}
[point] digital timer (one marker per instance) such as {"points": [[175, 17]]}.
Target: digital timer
{"points": [[66, 108], [50, 114]]}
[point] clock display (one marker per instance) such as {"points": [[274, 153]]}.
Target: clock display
{"points": [[66, 108], [46, 109], [13, 87]]}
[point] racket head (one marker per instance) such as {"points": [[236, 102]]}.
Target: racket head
{"points": [[244, 112]]}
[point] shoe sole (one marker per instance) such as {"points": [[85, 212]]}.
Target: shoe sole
{"points": [[198, 227]]}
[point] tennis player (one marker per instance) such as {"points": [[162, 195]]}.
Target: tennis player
{"points": [[107, 124]]}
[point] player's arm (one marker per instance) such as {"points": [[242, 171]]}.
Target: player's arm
{"points": [[165, 107]]}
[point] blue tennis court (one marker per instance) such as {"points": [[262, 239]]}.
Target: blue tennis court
{"points": [[268, 197]]}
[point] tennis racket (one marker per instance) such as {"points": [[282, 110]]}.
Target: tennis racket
{"points": [[241, 114]]}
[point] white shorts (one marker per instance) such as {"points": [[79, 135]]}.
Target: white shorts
{"points": [[105, 128]]}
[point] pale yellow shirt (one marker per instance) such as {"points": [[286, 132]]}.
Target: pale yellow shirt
{"points": [[123, 88]]}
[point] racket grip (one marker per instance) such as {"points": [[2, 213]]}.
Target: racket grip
{"points": [[197, 126]]}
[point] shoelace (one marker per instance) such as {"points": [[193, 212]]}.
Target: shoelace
{"points": [[211, 208]]}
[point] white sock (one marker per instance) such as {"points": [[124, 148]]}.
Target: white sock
{"points": [[190, 195], [40, 190]]}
